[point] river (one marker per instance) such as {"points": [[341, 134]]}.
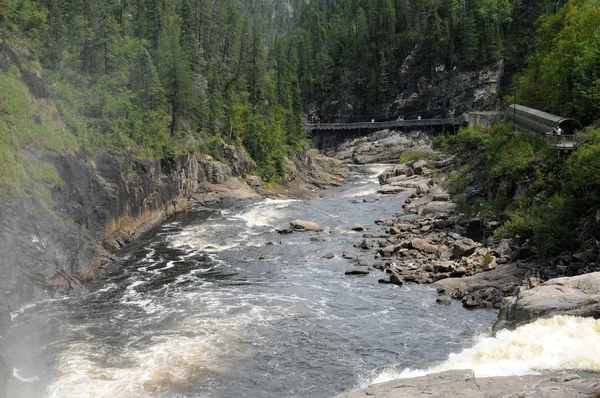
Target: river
{"points": [[192, 311]]}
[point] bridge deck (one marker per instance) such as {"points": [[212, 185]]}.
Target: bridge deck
{"points": [[568, 142], [384, 125]]}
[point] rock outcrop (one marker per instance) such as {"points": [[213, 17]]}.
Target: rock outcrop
{"points": [[100, 205], [578, 296], [464, 384], [381, 147]]}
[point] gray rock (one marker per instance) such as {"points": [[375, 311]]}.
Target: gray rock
{"points": [[578, 296], [419, 166], [370, 199], [391, 189], [253, 181], [464, 384], [395, 171], [395, 278], [350, 256], [329, 256], [423, 246], [358, 228], [438, 208], [357, 272], [300, 225], [463, 248]]}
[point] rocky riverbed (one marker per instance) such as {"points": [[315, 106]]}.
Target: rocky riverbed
{"points": [[431, 242]]}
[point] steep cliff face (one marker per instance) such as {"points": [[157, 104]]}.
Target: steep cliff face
{"points": [[447, 93]]}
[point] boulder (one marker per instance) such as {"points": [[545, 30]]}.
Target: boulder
{"points": [[578, 296], [395, 171], [300, 225], [423, 246], [395, 278], [358, 228], [329, 256], [253, 181], [438, 208], [370, 199], [419, 166], [238, 160], [463, 248], [213, 171]]}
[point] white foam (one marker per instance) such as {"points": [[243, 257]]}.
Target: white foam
{"points": [[15, 314], [16, 374], [560, 343], [264, 214], [360, 192]]}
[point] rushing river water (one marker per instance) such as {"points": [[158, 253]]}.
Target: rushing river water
{"points": [[191, 311]]}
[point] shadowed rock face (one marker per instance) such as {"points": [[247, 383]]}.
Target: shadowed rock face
{"points": [[101, 204], [578, 296], [463, 383]]}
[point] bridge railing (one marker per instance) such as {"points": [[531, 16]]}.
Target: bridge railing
{"points": [[560, 141], [383, 125]]}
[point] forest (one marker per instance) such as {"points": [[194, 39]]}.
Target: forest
{"points": [[169, 76]]}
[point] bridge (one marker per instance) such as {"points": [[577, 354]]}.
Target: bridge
{"points": [[542, 123], [386, 125]]}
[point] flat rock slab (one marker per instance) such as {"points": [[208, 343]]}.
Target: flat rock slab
{"points": [[463, 383], [391, 189], [438, 208]]}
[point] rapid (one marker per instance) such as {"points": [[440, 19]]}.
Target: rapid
{"points": [[215, 303]]}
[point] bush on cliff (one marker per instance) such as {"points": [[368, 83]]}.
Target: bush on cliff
{"points": [[23, 122]]}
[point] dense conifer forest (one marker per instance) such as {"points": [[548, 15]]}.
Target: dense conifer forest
{"points": [[166, 76]]}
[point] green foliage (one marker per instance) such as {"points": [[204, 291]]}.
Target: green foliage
{"points": [[500, 157], [584, 171], [164, 77], [25, 122], [414, 155], [359, 47], [563, 71]]}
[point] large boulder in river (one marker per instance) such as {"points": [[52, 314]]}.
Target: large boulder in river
{"points": [[402, 169], [578, 296], [300, 225]]}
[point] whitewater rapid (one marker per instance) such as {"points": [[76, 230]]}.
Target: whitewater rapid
{"points": [[556, 344]]}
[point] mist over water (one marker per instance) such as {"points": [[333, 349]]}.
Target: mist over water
{"points": [[191, 311]]}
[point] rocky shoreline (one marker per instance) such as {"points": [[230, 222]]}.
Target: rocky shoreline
{"points": [[430, 242]]}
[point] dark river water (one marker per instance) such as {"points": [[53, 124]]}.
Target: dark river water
{"points": [[191, 311]]}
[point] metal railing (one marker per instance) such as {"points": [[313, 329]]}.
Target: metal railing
{"points": [[561, 141], [383, 125]]}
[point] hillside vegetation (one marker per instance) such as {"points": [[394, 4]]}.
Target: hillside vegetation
{"points": [[162, 77], [510, 178]]}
